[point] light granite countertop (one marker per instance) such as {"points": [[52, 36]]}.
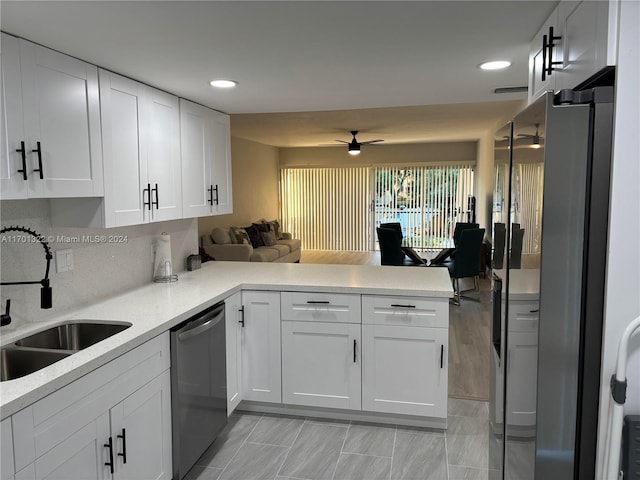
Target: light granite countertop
{"points": [[155, 308]]}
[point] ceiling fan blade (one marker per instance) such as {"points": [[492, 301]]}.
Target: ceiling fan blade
{"points": [[342, 141], [371, 141], [526, 135]]}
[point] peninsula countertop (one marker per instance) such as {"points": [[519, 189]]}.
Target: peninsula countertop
{"points": [[155, 308]]}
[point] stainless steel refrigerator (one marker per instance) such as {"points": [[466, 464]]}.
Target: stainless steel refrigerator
{"points": [[550, 222]]}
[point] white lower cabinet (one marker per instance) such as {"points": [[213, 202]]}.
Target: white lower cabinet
{"points": [[404, 370], [233, 331], [321, 364], [261, 362], [113, 423]]}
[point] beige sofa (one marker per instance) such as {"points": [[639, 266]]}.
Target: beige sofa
{"points": [[220, 245]]}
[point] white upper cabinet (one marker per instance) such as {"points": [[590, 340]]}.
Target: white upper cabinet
{"points": [[140, 134], [50, 102], [584, 41], [541, 54], [206, 161]]}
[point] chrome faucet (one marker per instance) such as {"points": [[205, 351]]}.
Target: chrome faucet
{"points": [[46, 300]]}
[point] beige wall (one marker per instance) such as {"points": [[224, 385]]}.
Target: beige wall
{"points": [[375, 154], [255, 186]]}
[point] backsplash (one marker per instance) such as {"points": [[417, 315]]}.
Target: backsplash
{"points": [[106, 262]]}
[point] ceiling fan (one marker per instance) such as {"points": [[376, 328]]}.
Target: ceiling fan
{"points": [[354, 144], [535, 139]]}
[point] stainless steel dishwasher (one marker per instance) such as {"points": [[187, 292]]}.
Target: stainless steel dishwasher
{"points": [[198, 386]]}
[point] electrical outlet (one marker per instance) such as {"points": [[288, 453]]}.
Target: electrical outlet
{"points": [[64, 260]]}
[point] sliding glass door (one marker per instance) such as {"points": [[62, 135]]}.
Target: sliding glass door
{"points": [[339, 208], [427, 201]]}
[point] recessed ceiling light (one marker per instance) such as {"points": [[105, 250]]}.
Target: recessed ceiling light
{"points": [[223, 83], [495, 65]]}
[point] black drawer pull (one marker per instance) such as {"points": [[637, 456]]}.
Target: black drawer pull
{"points": [[441, 356], [39, 169], [156, 202], [534, 311], [110, 462], [355, 357], [241, 321], [217, 199], [318, 302], [148, 192], [397, 305], [124, 446], [23, 153]]}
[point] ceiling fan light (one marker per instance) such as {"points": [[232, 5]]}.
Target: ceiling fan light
{"points": [[354, 152]]}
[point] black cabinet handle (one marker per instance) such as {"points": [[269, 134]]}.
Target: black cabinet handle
{"points": [[38, 150], [124, 446], [402, 306], [318, 302], [110, 462], [157, 201], [210, 190], [23, 153], [441, 356], [355, 357], [241, 321], [217, 200], [534, 311], [148, 192], [548, 42]]}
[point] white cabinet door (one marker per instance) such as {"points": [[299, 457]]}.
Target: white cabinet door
{"points": [[141, 433], [233, 329], [221, 163], [162, 122], [206, 161], [261, 364], [141, 144], [12, 181], [321, 364], [82, 456], [522, 373], [195, 141], [404, 370], [62, 119], [540, 81], [124, 148], [7, 466], [584, 29]]}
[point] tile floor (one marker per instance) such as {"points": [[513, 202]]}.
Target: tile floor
{"points": [[268, 447]]}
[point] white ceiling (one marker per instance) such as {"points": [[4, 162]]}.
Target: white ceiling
{"points": [[301, 56]]}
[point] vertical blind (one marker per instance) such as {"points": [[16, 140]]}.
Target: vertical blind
{"points": [[527, 203], [426, 200], [338, 208], [327, 208]]}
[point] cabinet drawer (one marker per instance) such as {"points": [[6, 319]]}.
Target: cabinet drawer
{"points": [[523, 316], [407, 311], [320, 307]]}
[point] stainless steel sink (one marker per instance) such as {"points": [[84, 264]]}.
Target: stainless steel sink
{"points": [[36, 351], [74, 335], [18, 362]]}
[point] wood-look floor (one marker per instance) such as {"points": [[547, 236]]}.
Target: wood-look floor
{"points": [[468, 328]]}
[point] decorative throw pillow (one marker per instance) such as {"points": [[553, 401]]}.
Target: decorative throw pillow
{"points": [[275, 226], [262, 226], [239, 235], [269, 238], [254, 236], [220, 236]]}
